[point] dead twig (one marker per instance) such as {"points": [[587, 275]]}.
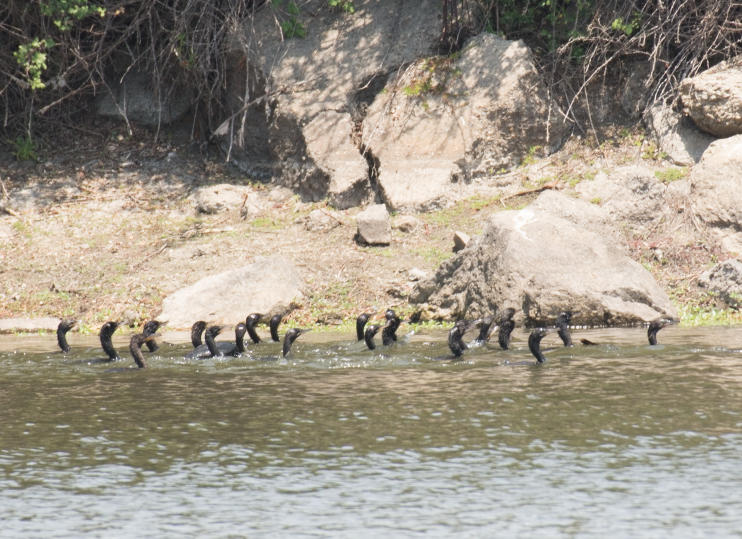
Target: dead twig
{"points": [[529, 191], [149, 257]]}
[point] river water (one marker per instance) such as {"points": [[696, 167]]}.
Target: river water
{"points": [[619, 440]]}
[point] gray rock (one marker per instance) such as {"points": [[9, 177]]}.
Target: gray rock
{"points": [[717, 190], [416, 274], [321, 221], [725, 280], [28, 325], [631, 195], [676, 135], [373, 225], [406, 223], [541, 264], [483, 113], [136, 99], [227, 298], [329, 144], [635, 91], [222, 197], [714, 99], [460, 241], [580, 212]]}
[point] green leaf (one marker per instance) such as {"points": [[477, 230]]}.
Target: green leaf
{"points": [[293, 8]]}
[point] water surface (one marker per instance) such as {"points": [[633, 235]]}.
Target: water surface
{"points": [[617, 440]]}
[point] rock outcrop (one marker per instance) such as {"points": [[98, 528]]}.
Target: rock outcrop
{"points": [[717, 191], [317, 88], [575, 210], [266, 286], [725, 280], [446, 121], [676, 135], [541, 265], [714, 99], [630, 195]]}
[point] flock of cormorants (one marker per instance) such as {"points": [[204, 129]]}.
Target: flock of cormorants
{"points": [[502, 322]]}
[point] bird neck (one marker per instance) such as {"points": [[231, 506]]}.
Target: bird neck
{"points": [[534, 345], [652, 334], [240, 342], [287, 342], [107, 345], [565, 335], [152, 346], [196, 337], [274, 332], [369, 341], [211, 345], [136, 353], [503, 336], [62, 340], [253, 334]]}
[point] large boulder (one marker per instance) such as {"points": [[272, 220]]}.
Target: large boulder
{"points": [[316, 89], [227, 298], [630, 195], [580, 212], [725, 280], [714, 99], [541, 265], [717, 191], [445, 121], [676, 135]]}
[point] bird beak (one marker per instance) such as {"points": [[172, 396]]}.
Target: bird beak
{"points": [[153, 336]]}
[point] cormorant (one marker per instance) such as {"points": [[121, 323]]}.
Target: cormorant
{"points": [[251, 322], [506, 325], [150, 328], [106, 332], [389, 333], [290, 337], [361, 322], [274, 323], [456, 336], [62, 329], [135, 347], [369, 335], [221, 348], [534, 342], [656, 325], [196, 330], [562, 325], [484, 330]]}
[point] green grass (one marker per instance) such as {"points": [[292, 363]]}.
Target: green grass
{"points": [[433, 255], [596, 201], [671, 174], [693, 315]]}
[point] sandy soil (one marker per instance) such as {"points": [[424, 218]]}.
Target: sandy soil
{"points": [[119, 233]]}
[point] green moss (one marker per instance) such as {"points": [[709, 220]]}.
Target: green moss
{"points": [[596, 200]]}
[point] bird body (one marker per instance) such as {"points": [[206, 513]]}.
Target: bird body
{"points": [[389, 332]]}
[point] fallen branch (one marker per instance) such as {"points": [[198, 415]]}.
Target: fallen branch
{"points": [[149, 257], [528, 192]]}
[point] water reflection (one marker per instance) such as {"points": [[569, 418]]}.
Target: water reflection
{"points": [[337, 441]]}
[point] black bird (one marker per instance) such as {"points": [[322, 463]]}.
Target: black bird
{"points": [[361, 322], [222, 348], [62, 329], [106, 332], [274, 323], [290, 337], [456, 336], [369, 335], [150, 328], [389, 332], [534, 342], [562, 324], [251, 322], [196, 330], [505, 325], [655, 326], [484, 330], [135, 347]]}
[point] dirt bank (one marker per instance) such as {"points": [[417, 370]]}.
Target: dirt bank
{"points": [[116, 232]]}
